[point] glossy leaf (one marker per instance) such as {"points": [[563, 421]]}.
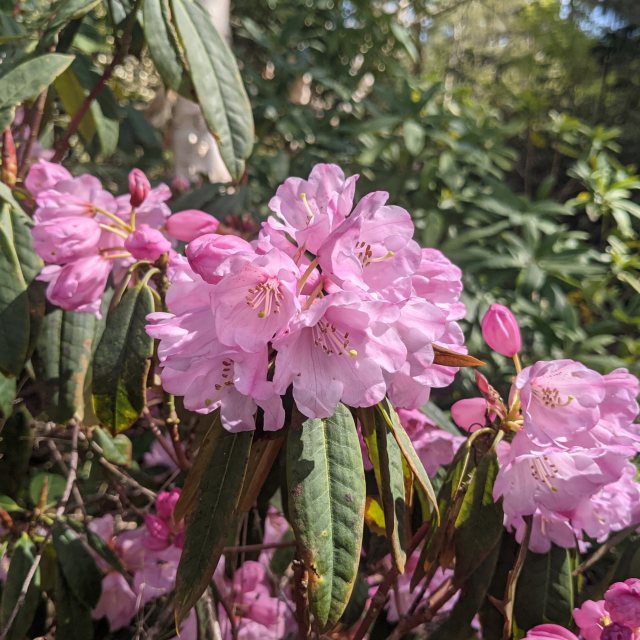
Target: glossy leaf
{"points": [[64, 355], [217, 83], [480, 520], [545, 592], [22, 560], [78, 566], [220, 470], [122, 359], [326, 494]]}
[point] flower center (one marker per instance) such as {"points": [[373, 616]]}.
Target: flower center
{"points": [[226, 375], [265, 297], [544, 470], [550, 397], [364, 253], [331, 340]]}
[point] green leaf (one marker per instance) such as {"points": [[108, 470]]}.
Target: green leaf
{"points": [[472, 596], [7, 395], [326, 494], [545, 592], [122, 359], [480, 520], [21, 298], [163, 48], [77, 566], [408, 451], [9, 505], [73, 619], [218, 85], [55, 487], [29, 78], [98, 545], [220, 470], [386, 458], [63, 358], [116, 449], [21, 563], [414, 137], [65, 11], [16, 443]]}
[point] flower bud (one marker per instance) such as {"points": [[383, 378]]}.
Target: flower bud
{"points": [[139, 187], [500, 330], [188, 225], [208, 252], [470, 414], [616, 632], [146, 243], [9, 159]]}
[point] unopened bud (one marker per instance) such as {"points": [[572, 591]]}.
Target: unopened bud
{"points": [[500, 330], [9, 159], [190, 224], [470, 414], [139, 187]]}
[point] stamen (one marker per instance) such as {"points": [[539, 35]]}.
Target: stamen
{"points": [[543, 470], [112, 216], [303, 197], [331, 340], [114, 256], [364, 253], [550, 396], [309, 270], [118, 232], [265, 297]]}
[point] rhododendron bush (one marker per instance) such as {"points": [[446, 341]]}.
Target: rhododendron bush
{"points": [[213, 429]]}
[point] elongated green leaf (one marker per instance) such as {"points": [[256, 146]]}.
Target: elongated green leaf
{"points": [[480, 520], [457, 624], [162, 44], [63, 357], [221, 467], [98, 545], [326, 493], [16, 444], [65, 11], [408, 451], [21, 562], [7, 395], [122, 359], [545, 591], [73, 619], [78, 566], [218, 85], [21, 298], [27, 79], [391, 486]]}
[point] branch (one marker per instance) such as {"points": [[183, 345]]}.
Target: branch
{"points": [[34, 130], [301, 597]]}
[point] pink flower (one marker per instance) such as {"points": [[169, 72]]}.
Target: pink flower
{"points": [[256, 300], [189, 224], [161, 530], [79, 285], [309, 210], [158, 457], [617, 631], [139, 187], [591, 618], [45, 175], [623, 602], [324, 357], [559, 399], [118, 603], [209, 252], [146, 243], [65, 239], [373, 248], [470, 414], [549, 632], [157, 575], [500, 330]]}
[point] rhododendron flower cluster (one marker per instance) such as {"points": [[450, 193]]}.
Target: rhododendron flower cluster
{"points": [[333, 299], [617, 617], [84, 234]]}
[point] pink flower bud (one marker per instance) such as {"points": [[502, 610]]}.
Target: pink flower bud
{"points": [[500, 330], [470, 414], [139, 187], [166, 503], [188, 225], [146, 243], [208, 252]]}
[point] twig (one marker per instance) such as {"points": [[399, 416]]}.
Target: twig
{"points": [[66, 470], [604, 549], [301, 598], [380, 596], [34, 131], [512, 580], [227, 609], [153, 425]]}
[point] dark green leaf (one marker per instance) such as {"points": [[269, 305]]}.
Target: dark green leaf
{"points": [[16, 443], [64, 355], [65, 11], [7, 395], [77, 566], [73, 619], [218, 85], [221, 467], [122, 359], [480, 520], [21, 562], [326, 494], [545, 589], [55, 487], [27, 79]]}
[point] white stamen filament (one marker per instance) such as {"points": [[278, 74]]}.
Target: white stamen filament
{"points": [[303, 197]]}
